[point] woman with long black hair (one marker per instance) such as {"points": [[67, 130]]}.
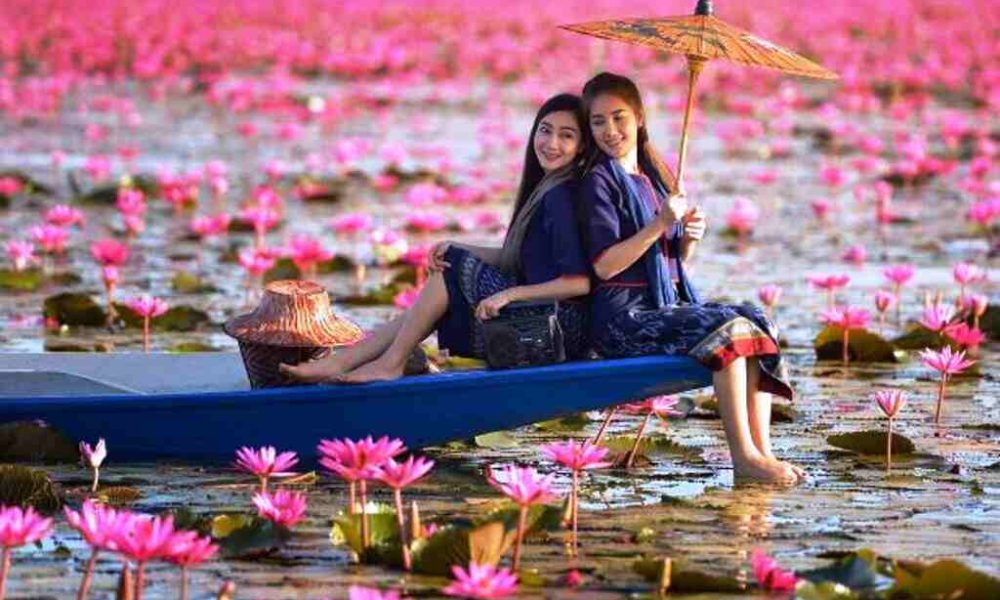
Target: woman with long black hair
{"points": [[639, 233], [542, 258]]}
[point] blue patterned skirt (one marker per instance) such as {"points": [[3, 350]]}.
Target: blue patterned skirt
{"points": [[712, 333], [470, 280]]}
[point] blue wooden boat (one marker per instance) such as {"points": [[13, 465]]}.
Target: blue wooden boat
{"points": [[199, 407]]}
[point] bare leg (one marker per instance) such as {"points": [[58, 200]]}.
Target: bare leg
{"points": [[342, 361], [748, 462], [417, 324], [759, 411]]}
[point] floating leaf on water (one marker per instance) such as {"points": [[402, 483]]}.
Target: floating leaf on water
{"points": [[919, 337], [326, 189], [337, 264], [182, 317], [74, 309], [650, 445], [569, 424], [247, 536], [383, 529], [33, 441], [120, 495], [27, 280], [283, 268], [62, 552], [856, 571], [540, 518], [496, 440], [646, 534], [188, 283], [532, 578], [827, 590], [460, 544], [684, 579], [863, 346], [31, 185], [989, 323], [186, 347], [24, 486], [65, 278], [871, 442], [944, 579]]}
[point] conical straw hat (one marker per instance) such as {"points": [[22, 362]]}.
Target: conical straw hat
{"points": [[293, 313]]}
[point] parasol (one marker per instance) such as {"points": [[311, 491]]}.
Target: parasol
{"points": [[702, 37]]}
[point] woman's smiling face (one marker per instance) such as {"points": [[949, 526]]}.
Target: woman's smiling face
{"points": [[557, 140], [614, 125]]}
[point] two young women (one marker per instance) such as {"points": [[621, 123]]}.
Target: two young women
{"points": [[637, 236]]}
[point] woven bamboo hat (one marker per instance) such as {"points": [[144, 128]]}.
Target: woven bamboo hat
{"points": [[293, 313]]}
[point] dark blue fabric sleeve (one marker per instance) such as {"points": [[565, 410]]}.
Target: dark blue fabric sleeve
{"points": [[602, 220], [559, 219]]}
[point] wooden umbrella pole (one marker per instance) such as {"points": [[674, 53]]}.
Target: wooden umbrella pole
{"points": [[695, 64]]}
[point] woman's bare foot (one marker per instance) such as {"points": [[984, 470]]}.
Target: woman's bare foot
{"points": [[765, 471], [380, 369], [800, 473], [327, 368]]}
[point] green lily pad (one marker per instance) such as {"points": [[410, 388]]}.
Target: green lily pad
{"points": [[540, 518], [35, 442], [863, 346], [24, 486], [189, 283], [65, 278], [337, 264], [483, 544], [989, 323], [856, 571], [685, 579], [328, 189], [246, 536], [27, 280], [119, 495], [918, 338], [827, 590], [569, 424], [496, 440], [283, 268], [383, 529], [31, 185], [871, 442], [649, 445], [945, 579], [182, 317], [74, 309]]}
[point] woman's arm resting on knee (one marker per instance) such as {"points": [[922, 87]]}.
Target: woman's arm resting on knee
{"points": [[555, 289]]}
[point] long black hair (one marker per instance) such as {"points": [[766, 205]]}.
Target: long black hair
{"points": [[533, 171], [624, 88]]}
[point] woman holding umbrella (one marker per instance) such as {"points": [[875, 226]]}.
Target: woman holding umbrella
{"points": [[638, 235]]}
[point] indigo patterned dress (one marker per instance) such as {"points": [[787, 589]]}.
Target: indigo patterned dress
{"points": [[625, 319], [551, 249]]}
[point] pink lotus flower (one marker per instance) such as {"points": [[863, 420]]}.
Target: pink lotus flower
{"points": [[975, 305], [93, 457], [832, 176], [97, 167], [10, 186], [526, 487], [856, 254], [148, 307], [306, 252], [257, 261], [263, 220], [20, 253], [282, 508], [358, 462], [577, 458], [769, 295], [109, 252], [884, 300], [17, 528], [195, 552], [967, 274], [51, 239], [424, 194], [351, 223], [769, 576], [64, 215], [830, 284], [151, 538], [742, 217], [847, 318], [210, 226], [947, 364], [397, 476], [890, 401], [481, 582], [356, 592], [820, 208], [388, 245], [899, 275], [101, 527], [265, 462], [131, 202], [426, 222], [937, 318], [384, 183], [406, 298]]}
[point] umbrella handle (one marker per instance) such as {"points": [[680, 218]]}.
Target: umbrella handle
{"points": [[695, 64]]}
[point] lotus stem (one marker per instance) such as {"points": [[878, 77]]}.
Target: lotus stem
{"points": [[398, 493], [574, 501], [899, 315], [888, 448], [81, 594], [4, 569], [126, 587], [140, 578], [846, 356], [352, 497], [604, 425], [416, 527], [97, 477], [145, 334], [881, 323], [638, 438], [522, 520], [364, 514], [184, 582], [940, 398], [263, 485]]}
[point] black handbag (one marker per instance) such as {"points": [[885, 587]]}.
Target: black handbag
{"points": [[524, 334]]}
